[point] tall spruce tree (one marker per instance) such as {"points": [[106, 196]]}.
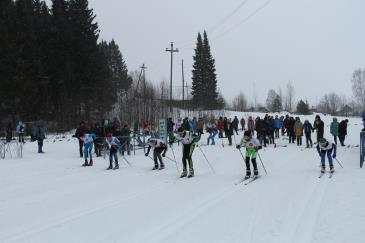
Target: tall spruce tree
{"points": [[198, 75], [8, 57], [204, 89], [210, 75]]}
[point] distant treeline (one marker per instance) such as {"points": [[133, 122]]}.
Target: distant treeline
{"points": [[52, 66]]}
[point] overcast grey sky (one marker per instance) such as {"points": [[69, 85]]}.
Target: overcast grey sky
{"points": [[315, 43]]}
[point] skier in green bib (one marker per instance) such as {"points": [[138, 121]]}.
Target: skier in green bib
{"points": [[252, 146]]}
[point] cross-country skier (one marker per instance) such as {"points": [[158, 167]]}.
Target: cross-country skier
{"points": [[308, 129], [88, 140], [113, 144], [324, 148], [252, 145], [158, 147], [318, 125], [188, 140], [80, 132]]}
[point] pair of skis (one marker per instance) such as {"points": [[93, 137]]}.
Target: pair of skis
{"points": [[322, 174], [248, 180]]}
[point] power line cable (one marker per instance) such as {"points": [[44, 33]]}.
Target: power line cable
{"points": [[243, 21], [227, 17]]}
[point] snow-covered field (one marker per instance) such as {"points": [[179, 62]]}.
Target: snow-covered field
{"points": [[51, 198]]}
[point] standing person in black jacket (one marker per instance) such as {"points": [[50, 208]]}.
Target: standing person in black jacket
{"points": [[290, 130], [285, 126], [99, 140], [229, 131], [318, 125], [126, 134], [235, 124], [270, 129], [9, 133], [225, 126], [170, 130], [40, 135], [243, 123], [80, 132], [342, 131]]}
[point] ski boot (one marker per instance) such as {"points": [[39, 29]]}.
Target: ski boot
{"points": [[191, 173], [86, 163], [183, 174], [332, 169], [116, 167], [110, 167], [255, 173], [162, 166], [155, 167], [248, 174], [90, 163], [323, 169]]}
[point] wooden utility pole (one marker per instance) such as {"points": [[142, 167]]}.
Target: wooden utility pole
{"points": [[183, 82], [143, 68], [172, 50]]}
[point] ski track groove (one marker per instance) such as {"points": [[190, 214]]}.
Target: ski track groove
{"points": [[52, 223], [308, 218], [188, 215]]}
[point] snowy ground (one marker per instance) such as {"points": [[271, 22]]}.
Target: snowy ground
{"points": [[51, 198]]}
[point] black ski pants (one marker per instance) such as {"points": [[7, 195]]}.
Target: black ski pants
{"points": [[188, 150]]}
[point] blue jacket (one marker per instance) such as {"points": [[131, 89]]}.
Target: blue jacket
{"points": [[277, 123]]}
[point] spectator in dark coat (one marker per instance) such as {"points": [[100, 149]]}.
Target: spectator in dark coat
{"points": [[125, 141], [285, 126], [243, 123], [99, 140], [235, 123], [342, 131], [290, 130], [319, 127], [9, 133], [40, 135], [225, 126], [229, 131]]}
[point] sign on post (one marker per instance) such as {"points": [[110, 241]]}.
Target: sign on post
{"points": [[163, 130]]}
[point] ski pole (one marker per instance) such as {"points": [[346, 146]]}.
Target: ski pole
{"points": [[177, 168], [262, 162], [127, 161], [211, 167], [338, 162], [173, 153], [243, 157]]}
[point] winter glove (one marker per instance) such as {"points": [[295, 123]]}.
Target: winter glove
{"points": [[238, 146], [163, 155], [334, 156], [146, 154]]}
